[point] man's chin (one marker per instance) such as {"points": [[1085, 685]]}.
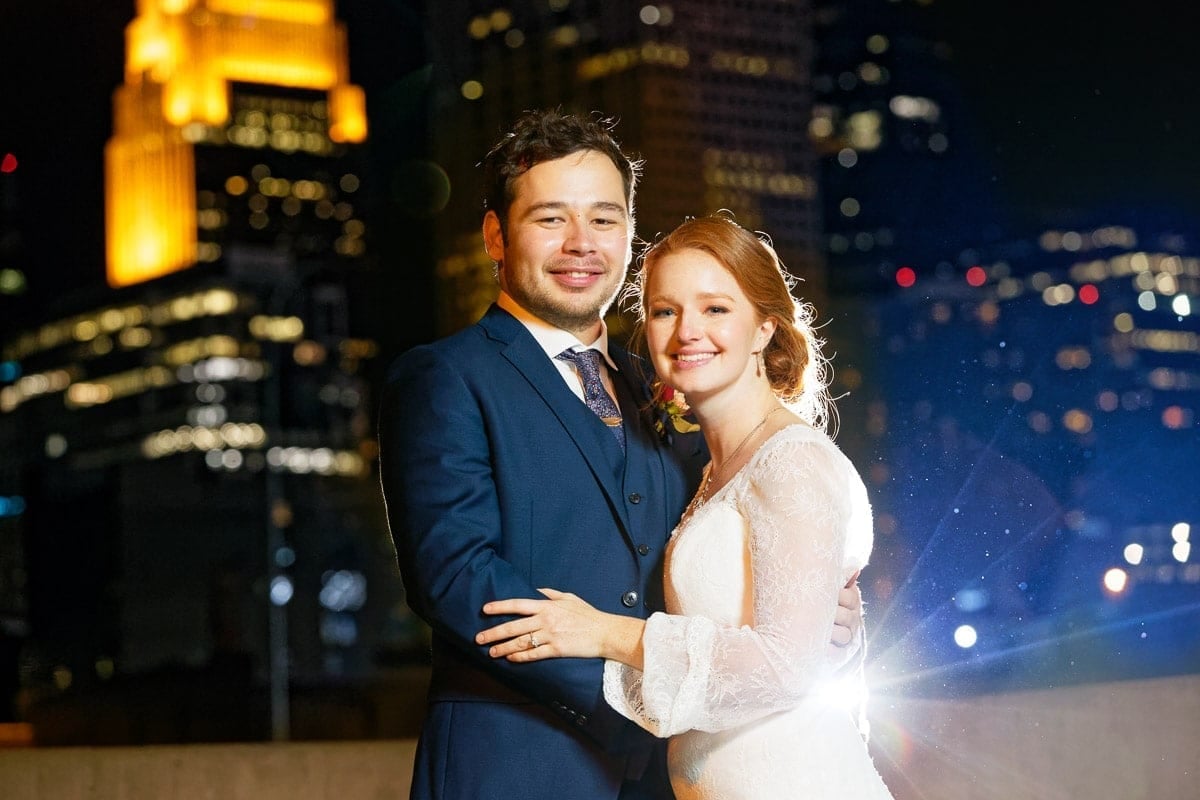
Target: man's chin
{"points": [[569, 312]]}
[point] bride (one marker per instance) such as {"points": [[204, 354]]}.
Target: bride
{"points": [[736, 672]]}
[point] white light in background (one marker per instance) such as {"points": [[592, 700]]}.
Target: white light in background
{"points": [[343, 590], [1116, 580], [1134, 553], [965, 636], [281, 590]]}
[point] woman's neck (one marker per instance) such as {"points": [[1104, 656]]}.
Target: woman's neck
{"points": [[727, 423]]}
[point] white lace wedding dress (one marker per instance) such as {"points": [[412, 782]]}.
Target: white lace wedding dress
{"points": [[738, 672]]}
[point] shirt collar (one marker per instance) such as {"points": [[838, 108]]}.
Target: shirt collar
{"points": [[551, 339]]}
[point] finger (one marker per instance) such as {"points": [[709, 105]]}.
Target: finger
{"points": [[841, 635], [853, 578], [510, 648], [525, 656], [518, 644], [514, 605], [505, 630], [843, 617], [553, 594], [850, 599]]}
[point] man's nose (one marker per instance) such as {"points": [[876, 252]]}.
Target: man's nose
{"points": [[579, 237]]}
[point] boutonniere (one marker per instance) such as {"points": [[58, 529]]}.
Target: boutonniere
{"points": [[672, 406]]}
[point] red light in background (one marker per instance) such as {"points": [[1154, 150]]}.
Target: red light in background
{"points": [[8, 163], [1088, 294], [906, 276], [976, 276]]}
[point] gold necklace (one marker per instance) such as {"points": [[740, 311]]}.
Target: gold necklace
{"points": [[708, 477]]}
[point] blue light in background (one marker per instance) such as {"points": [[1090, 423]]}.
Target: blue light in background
{"points": [[12, 506]]}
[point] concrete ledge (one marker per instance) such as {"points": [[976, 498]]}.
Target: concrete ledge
{"points": [[1111, 741], [1128, 740]]}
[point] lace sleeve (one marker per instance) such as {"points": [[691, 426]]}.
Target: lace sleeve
{"points": [[699, 675]]}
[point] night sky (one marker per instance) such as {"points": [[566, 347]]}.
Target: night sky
{"points": [[1076, 105], [1083, 105]]}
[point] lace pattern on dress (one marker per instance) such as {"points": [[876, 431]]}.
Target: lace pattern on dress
{"points": [[796, 513]]}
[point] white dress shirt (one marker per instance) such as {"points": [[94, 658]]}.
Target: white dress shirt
{"points": [[554, 340]]}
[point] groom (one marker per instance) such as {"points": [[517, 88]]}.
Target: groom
{"points": [[509, 462]]}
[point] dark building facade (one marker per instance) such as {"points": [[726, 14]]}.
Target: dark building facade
{"points": [[714, 97], [187, 466]]}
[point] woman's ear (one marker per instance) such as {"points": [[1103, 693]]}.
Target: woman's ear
{"points": [[765, 331]]}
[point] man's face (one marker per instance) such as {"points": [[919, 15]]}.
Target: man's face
{"points": [[568, 241]]}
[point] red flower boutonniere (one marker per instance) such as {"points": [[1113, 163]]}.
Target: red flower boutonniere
{"points": [[672, 406]]}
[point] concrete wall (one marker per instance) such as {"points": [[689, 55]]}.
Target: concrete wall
{"points": [[1135, 740], [321, 771]]}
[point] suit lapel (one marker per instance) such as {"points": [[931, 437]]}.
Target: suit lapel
{"points": [[596, 444]]}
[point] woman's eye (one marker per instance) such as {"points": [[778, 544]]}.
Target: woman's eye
{"points": [[656, 313]]}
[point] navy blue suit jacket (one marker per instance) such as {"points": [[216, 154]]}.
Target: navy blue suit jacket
{"points": [[499, 480]]}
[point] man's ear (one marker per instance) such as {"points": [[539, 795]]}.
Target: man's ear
{"points": [[493, 237]]}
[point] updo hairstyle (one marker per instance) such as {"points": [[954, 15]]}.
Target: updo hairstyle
{"points": [[795, 367]]}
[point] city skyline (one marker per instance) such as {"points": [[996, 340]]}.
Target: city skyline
{"points": [[1064, 139], [1075, 109]]}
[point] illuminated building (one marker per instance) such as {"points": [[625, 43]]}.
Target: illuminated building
{"points": [[715, 97], [184, 61], [1038, 415], [14, 599], [900, 183], [192, 450]]}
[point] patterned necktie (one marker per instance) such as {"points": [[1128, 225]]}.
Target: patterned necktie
{"points": [[594, 393]]}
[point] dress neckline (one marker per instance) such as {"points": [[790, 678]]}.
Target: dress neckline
{"points": [[695, 506]]}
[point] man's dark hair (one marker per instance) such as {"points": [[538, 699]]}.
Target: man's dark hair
{"points": [[547, 135]]}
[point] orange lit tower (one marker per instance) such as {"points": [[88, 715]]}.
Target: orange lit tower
{"points": [[170, 443], [187, 64]]}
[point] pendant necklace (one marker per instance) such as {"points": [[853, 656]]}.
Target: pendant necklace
{"points": [[709, 476]]}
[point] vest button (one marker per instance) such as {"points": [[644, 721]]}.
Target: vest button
{"points": [[630, 599], [635, 498]]}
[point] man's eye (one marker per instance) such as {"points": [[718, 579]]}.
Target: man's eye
{"points": [[718, 310]]}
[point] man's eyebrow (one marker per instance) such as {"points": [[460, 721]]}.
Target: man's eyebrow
{"points": [[558, 205], [615, 208]]}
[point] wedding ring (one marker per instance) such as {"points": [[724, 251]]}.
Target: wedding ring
{"points": [[534, 644]]}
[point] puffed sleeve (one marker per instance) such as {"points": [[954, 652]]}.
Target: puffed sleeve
{"points": [[800, 502]]}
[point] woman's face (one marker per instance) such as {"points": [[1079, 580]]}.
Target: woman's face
{"points": [[701, 330]]}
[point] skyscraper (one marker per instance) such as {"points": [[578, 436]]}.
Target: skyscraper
{"points": [[900, 175], [714, 97], [191, 450]]}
